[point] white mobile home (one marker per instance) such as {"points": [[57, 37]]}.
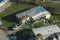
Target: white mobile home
{"points": [[35, 13], [46, 31]]}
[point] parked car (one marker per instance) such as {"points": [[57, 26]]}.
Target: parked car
{"points": [[16, 27]]}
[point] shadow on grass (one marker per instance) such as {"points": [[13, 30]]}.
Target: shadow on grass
{"points": [[10, 28], [51, 9], [12, 17], [56, 14]]}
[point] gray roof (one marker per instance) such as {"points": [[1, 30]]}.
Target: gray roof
{"points": [[3, 35], [46, 30], [32, 11]]}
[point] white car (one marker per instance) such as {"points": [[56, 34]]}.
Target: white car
{"points": [[16, 27]]}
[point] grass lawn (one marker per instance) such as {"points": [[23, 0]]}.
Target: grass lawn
{"points": [[8, 15], [37, 25], [55, 18]]}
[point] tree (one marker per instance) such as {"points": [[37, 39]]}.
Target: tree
{"points": [[38, 37]]}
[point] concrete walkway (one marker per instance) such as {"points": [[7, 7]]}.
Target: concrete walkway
{"points": [[5, 6]]}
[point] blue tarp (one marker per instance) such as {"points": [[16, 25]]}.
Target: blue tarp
{"points": [[40, 10], [1, 1]]}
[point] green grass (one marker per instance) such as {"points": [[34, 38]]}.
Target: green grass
{"points": [[13, 9], [53, 18], [37, 25]]}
